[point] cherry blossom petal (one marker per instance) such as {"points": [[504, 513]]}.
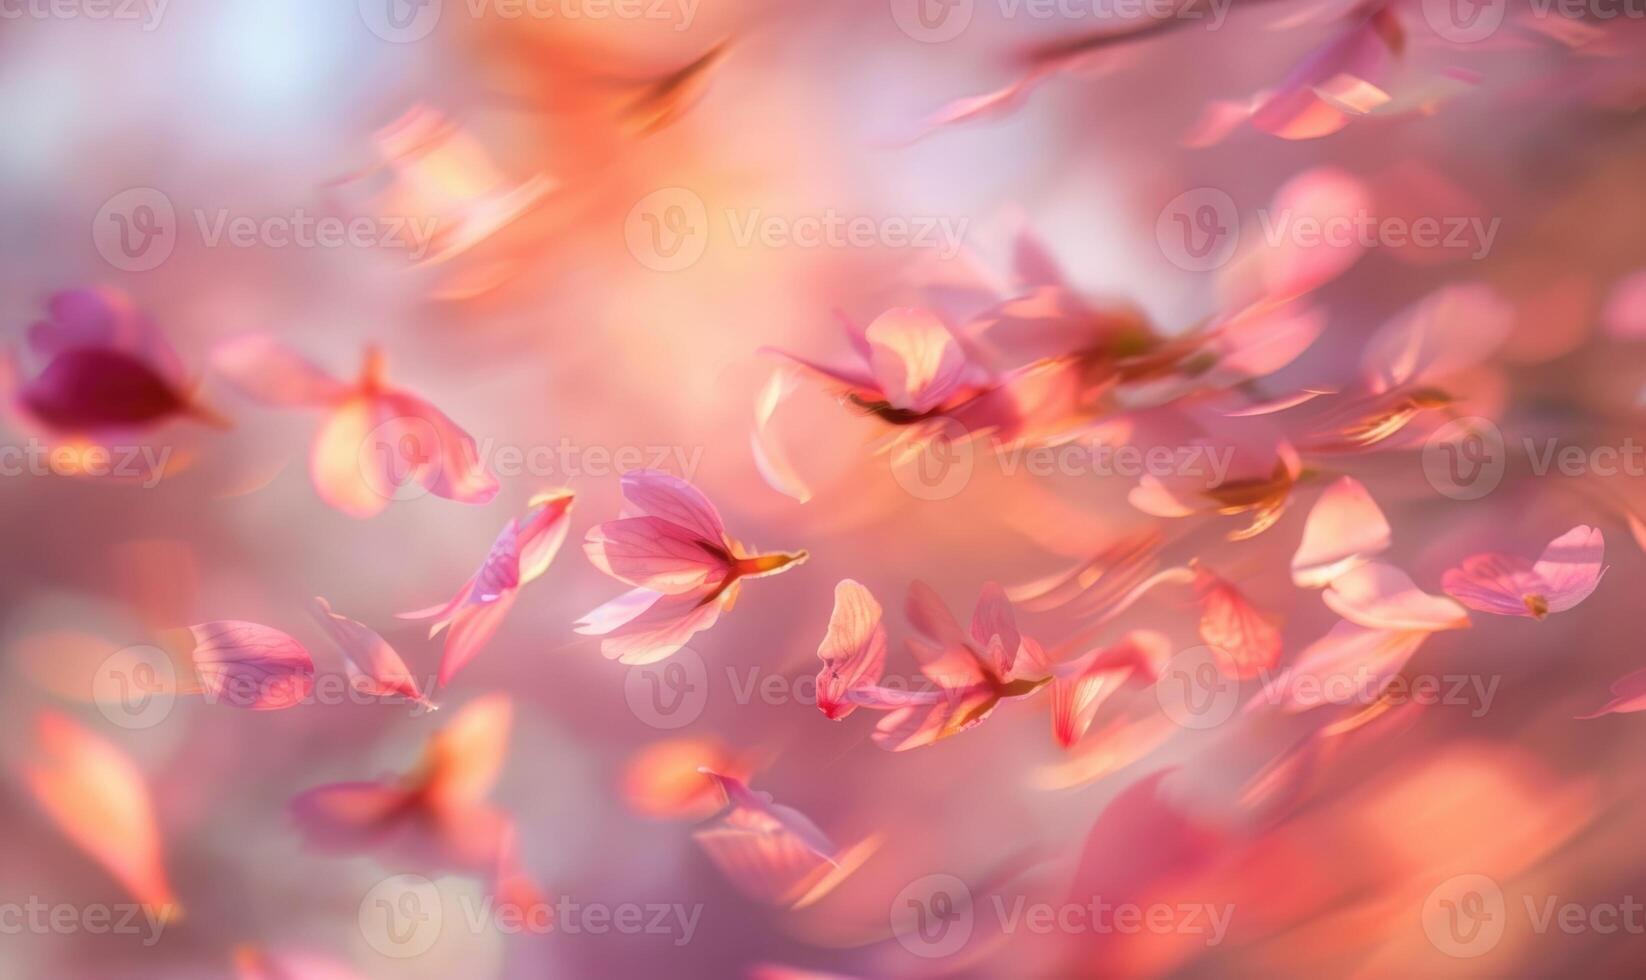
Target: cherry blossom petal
{"points": [[1245, 642], [1325, 197], [90, 389], [1628, 695], [374, 666], [97, 796], [853, 651], [915, 358], [653, 493], [450, 468], [772, 853], [1450, 330], [994, 629], [642, 626], [347, 471], [1349, 665], [770, 458], [1380, 596], [542, 531], [251, 666], [1344, 529], [654, 553], [1505, 585], [1571, 567]]}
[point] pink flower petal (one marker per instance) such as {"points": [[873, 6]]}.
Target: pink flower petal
{"points": [[654, 493], [915, 358], [374, 666], [1380, 596], [1351, 665], [97, 796], [1628, 695], [251, 666], [1344, 529], [1244, 641], [450, 468], [1571, 566], [642, 626], [994, 629], [853, 651], [657, 554], [1450, 330]]}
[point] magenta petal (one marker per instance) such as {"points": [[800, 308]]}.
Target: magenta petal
{"points": [[251, 666]]}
